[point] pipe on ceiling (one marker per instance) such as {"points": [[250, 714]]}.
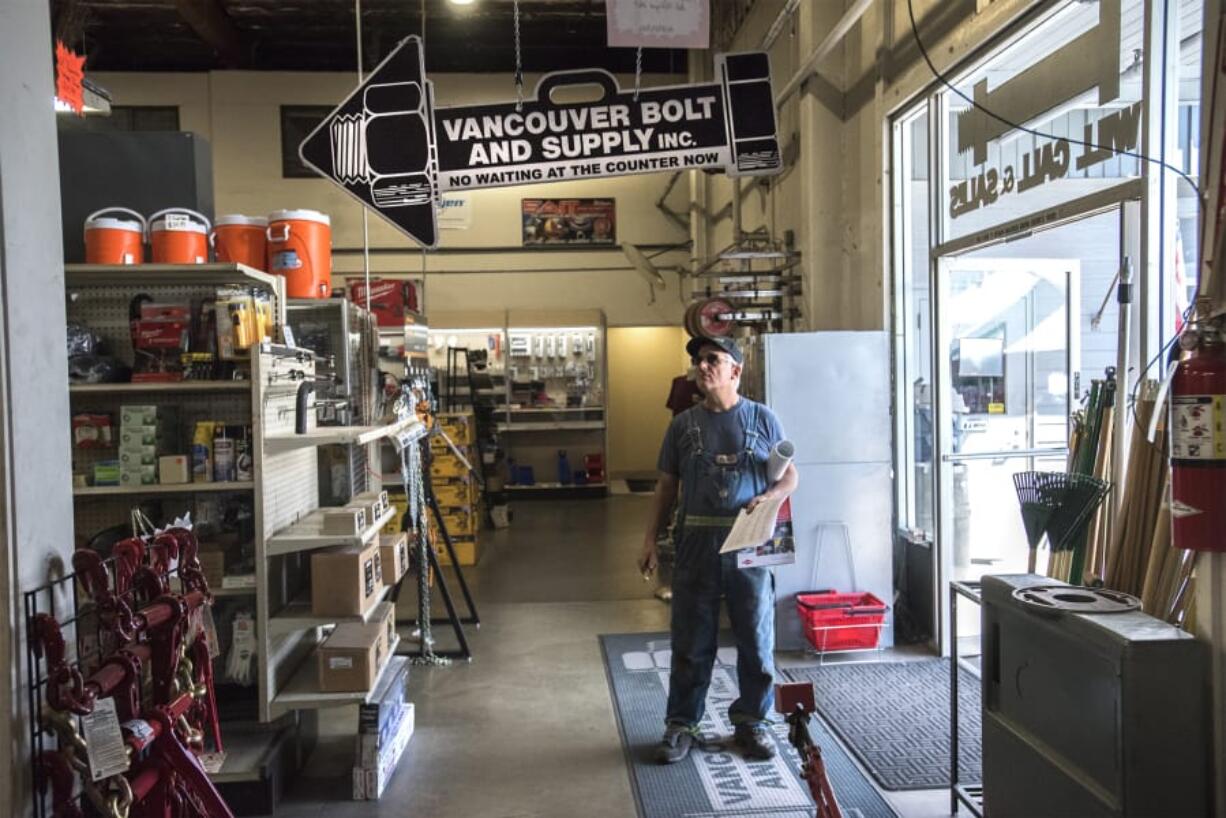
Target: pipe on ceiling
{"points": [[823, 50], [781, 21]]}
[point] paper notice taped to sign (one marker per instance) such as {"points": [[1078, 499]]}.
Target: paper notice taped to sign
{"points": [[658, 23]]}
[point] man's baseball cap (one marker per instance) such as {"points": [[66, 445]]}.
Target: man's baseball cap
{"points": [[726, 344]]}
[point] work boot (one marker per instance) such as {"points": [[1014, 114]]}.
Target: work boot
{"points": [[676, 744], [755, 741]]}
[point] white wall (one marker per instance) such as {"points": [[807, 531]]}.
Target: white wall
{"points": [[35, 462], [239, 113]]}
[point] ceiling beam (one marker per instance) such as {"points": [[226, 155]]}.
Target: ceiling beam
{"points": [[212, 25]]}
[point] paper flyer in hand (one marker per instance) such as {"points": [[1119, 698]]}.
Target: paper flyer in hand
{"points": [[763, 537]]}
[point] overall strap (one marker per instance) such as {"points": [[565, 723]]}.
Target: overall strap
{"points": [[693, 428], [751, 428]]}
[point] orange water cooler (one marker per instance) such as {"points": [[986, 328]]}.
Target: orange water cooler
{"points": [[179, 236], [241, 239], [300, 249], [110, 240]]}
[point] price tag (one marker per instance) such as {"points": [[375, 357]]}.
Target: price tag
{"points": [[177, 221], [103, 741], [210, 631], [140, 729]]}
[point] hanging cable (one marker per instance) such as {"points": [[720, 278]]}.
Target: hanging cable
{"points": [[357, 19], [1200, 198], [1015, 126], [638, 71], [519, 66]]}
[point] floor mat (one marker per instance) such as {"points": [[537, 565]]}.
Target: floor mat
{"points": [[895, 718], [715, 783]]}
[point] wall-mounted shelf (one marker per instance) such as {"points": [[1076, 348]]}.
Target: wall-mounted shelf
{"points": [[341, 435], [307, 534], [558, 487], [559, 426], [153, 387], [297, 616], [160, 488], [302, 692]]}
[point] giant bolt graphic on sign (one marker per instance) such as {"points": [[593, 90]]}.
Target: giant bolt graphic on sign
{"points": [[390, 148]]}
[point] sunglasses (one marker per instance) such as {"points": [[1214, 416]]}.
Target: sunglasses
{"points": [[711, 359]]}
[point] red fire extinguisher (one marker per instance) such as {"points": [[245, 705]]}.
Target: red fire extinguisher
{"points": [[1197, 428]]}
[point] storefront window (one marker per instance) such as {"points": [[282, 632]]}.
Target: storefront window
{"points": [[1183, 119], [1076, 75]]}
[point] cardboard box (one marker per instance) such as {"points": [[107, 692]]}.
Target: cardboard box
{"points": [[345, 581], [106, 473], [447, 465], [132, 415], [348, 521], [467, 551], [389, 298], [138, 475], [375, 504], [384, 616], [369, 783], [137, 438], [460, 523], [376, 716], [461, 427], [397, 504], [370, 746], [212, 563], [174, 468], [393, 556], [133, 456], [350, 658], [452, 495]]}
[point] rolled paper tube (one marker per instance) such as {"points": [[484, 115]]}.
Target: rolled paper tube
{"points": [[781, 455]]}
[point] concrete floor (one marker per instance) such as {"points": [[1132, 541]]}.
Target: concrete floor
{"points": [[526, 728]]}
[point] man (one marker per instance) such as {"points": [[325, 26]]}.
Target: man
{"points": [[717, 451]]}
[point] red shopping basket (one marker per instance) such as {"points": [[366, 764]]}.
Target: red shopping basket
{"points": [[838, 621]]}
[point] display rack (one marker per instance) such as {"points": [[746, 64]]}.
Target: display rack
{"points": [[99, 298], [534, 390], [288, 492]]}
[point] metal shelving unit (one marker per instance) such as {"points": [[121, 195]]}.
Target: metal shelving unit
{"points": [[100, 295], [307, 534], [288, 494], [160, 488], [158, 388], [302, 691]]}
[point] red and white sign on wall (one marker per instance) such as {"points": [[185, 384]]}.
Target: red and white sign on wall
{"points": [[659, 23], [69, 74]]}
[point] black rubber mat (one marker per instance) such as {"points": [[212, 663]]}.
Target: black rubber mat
{"points": [[715, 782], [895, 718]]}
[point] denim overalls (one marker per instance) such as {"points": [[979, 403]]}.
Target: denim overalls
{"points": [[714, 488]]}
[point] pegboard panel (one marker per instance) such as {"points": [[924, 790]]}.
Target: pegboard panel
{"points": [[289, 481], [105, 309]]}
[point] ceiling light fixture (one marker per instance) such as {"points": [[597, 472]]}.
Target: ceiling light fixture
{"points": [[461, 2]]}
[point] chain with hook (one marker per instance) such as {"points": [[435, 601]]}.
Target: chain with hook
{"points": [[519, 67], [638, 71]]}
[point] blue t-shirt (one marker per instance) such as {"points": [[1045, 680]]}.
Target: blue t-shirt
{"points": [[723, 433]]}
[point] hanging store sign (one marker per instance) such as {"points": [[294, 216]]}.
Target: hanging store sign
{"points": [[388, 146], [659, 24]]}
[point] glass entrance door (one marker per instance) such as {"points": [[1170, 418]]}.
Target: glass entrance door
{"points": [[1021, 329], [1006, 373]]}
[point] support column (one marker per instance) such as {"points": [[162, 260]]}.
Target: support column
{"points": [[35, 460]]}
